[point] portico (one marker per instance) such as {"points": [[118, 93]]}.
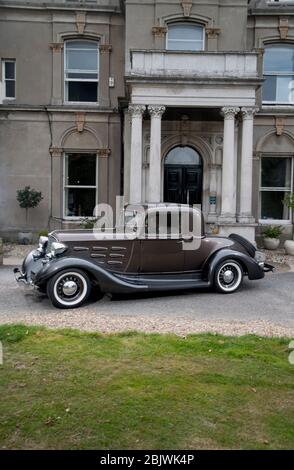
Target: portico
{"points": [[157, 85]]}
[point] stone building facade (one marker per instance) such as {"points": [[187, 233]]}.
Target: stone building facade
{"points": [[60, 124], [194, 104]]}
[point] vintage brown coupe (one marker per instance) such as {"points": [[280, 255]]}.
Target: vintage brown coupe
{"points": [[69, 263]]}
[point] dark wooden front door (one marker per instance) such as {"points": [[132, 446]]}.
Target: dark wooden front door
{"points": [[183, 184]]}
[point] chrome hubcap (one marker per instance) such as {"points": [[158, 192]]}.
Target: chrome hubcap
{"points": [[228, 276], [69, 288]]}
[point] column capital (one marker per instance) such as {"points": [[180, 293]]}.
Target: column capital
{"points": [[156, 110], [137, 110], [248, 113], [229, 112]]}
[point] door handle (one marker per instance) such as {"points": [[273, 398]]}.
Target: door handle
{"points": [[187, 238]]}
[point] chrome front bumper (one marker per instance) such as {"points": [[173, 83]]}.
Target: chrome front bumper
{"points": [[22, 281]]}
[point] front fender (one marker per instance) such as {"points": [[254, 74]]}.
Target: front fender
{"points": [[250, 266], [108, 282]]}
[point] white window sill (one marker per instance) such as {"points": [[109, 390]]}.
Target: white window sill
{"points": [[274, 222]]}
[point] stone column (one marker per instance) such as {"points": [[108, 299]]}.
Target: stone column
{"points": [[136, 113], [154, 190], [245, 213], [228, 212]]}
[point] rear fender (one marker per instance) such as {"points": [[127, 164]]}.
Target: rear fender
{"points": [[250, 266], [107, 281]]}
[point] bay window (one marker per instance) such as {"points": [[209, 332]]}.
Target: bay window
{"points": [[80, 184], [185, 37], [81, 71], [278, 86], [275, 184]]}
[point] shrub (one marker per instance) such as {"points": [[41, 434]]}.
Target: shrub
{"points": [[273, 231], [28, 198]]}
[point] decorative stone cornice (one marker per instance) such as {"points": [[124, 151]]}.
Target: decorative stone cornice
{"points": [[105, 48], [280, 124], [283, 27], [137, 110], [56, 151], [159, 31], [248, 113], [81, 21], [80, 121], [212, 33], [56, 46], [229, 112], [156, 110], [103, 153], [187, 6]]}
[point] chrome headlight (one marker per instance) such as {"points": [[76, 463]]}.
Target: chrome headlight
{"points": [[57, 248], [259, 257]]}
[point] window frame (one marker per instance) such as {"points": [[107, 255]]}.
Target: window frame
{"points": [[288, 221], [185, 23], [277, 74], [4, 80], [70, 186], [88, 80]]}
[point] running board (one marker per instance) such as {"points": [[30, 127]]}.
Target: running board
{"points": [[158, 282]]}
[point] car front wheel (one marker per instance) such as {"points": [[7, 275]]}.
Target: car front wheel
{"points": [[69, 288], [228, 277]]}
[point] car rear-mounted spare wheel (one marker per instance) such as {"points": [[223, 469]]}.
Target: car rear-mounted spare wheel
{"points": [[249, 247]]}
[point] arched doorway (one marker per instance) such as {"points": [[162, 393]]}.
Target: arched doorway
{"points": [[183, 176]]}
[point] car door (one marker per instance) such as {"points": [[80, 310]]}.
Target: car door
{"points": [[160, 250]]}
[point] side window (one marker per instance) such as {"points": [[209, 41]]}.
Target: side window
{"points": [[9, 77], [81, 71], [185, 37], [275, 184], [278, 86], [80, 184]]}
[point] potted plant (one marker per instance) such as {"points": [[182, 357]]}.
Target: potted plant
{"points": [[289, 244], [27, 198], [271, 236]]}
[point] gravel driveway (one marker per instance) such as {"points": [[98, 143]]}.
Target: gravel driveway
{"points": [[263, 307]]}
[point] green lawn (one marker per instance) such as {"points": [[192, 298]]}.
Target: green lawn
{"points": [[66, 389]]}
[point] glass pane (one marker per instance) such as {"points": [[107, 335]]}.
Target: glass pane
{"points": [[272, 206], [183, 156], [77, 75], [80, 202], [185, 45], [276, 172], [10, 70], [279, 59], [82, 60], [284, 89], [82, 91], [80, 169], [10, 88], [269, 88], [81, 45], [185, 31]]}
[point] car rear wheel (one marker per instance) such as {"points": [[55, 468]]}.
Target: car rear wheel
{"points": [[69, 288], [228, 277]]}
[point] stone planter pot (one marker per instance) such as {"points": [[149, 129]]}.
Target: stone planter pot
{"points": [[289, 247], [25, 238], [271, 243]]}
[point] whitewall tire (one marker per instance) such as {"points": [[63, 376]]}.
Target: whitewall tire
{"points": [[69, 288], [228, 277]]}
